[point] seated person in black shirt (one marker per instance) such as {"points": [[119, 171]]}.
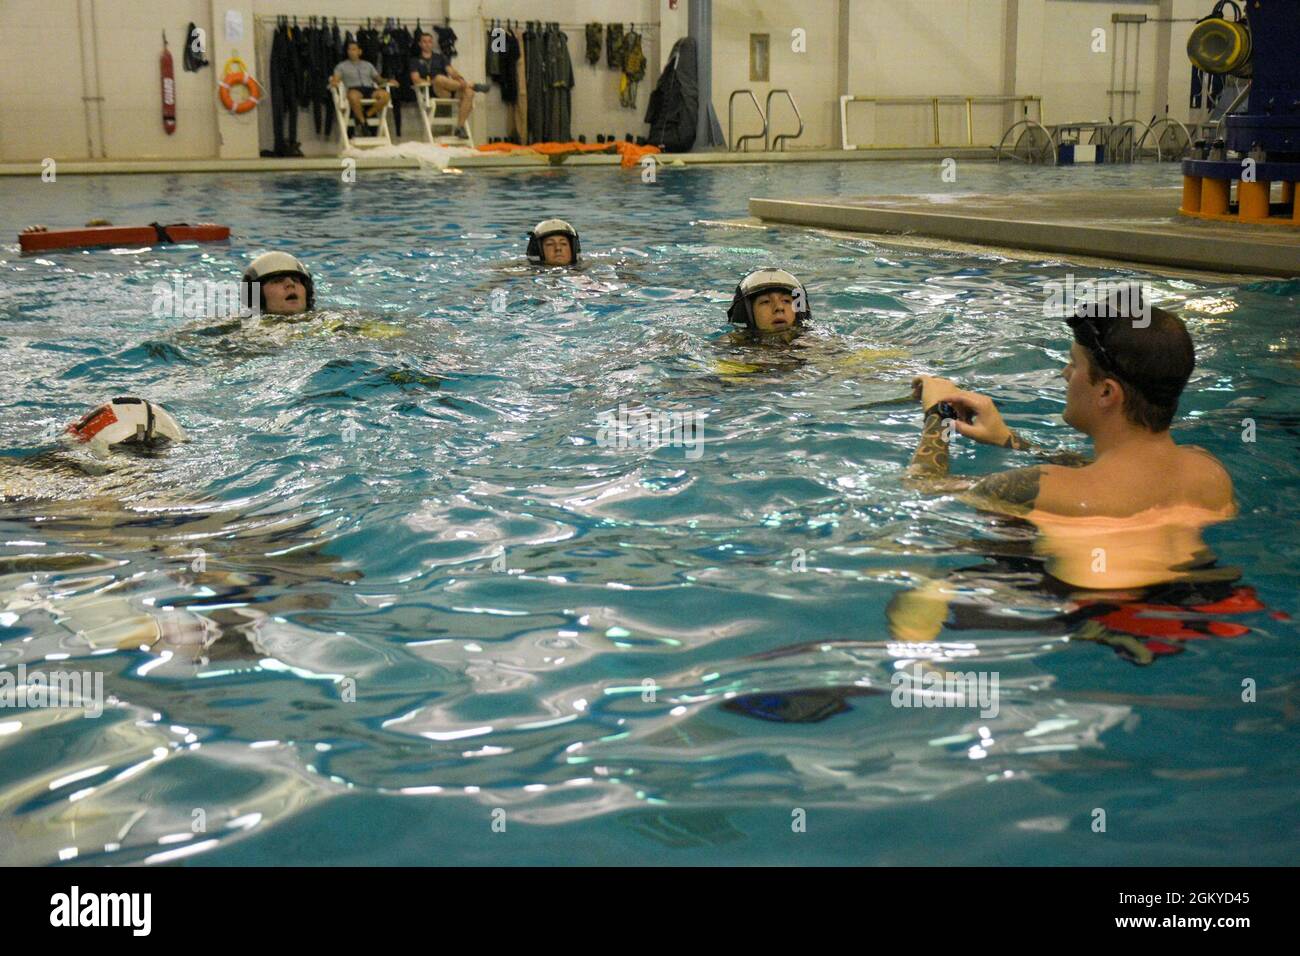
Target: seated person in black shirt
{"points": [[431, 68]]}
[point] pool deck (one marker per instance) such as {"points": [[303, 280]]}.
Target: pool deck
{"points": [[1121, 225], [489, 161]]}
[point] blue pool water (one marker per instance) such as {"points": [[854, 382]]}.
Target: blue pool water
{"points": [[414, 612]]}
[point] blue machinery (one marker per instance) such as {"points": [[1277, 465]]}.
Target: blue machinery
{"points": [[1261, 144]]}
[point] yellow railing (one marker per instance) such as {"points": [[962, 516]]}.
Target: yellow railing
{"points": [[934, 102]]}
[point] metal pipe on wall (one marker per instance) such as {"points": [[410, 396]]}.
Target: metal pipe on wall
{"points": [[88, 42], [708, 131], [99, 83]]}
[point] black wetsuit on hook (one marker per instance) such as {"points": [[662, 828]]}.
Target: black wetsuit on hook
{"points": [[284, 90]]}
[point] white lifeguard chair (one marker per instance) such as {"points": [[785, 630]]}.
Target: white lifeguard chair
{"points": [[377, 132], [440, 128]]}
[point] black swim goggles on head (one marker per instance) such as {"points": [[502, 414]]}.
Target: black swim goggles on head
{"points": [[1091, 332]]}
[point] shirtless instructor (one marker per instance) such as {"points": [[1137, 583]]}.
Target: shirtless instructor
{"points": [[1123, 382]]}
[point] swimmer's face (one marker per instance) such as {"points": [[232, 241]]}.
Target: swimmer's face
{"points": [[773, 311], [556, 251], [1086, 402], [426, 45], [285, 295], [354, 51]]}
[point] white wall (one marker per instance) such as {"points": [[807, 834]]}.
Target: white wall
{"points": [[924, 48], [41, 88], [809, 76], [884, 48], [1073, 79]]}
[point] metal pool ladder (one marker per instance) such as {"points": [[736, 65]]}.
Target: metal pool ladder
{"points": [[731, 120], [776, 142], [765, 116]]}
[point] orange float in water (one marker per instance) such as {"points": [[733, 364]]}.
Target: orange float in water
{"points": [[91, 236]]}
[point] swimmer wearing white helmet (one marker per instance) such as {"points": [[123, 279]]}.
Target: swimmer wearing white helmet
{"points": [[126, 422], [285, 286], [129, 425], [770, 302], [553, 242]]}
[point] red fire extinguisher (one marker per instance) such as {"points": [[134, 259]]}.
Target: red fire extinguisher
{"points": [[168, 89]]}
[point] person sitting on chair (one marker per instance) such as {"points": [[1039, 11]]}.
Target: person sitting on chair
{"points": [[431, 68], [360, 78]]}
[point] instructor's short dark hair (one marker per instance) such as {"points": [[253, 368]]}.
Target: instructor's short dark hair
{"points": [[1153, 363]]}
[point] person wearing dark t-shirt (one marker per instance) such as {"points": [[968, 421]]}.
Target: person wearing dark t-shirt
{"points": [[431, 68]]}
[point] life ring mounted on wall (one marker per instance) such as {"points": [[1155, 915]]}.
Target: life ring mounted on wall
{"points": [[232, 77]]}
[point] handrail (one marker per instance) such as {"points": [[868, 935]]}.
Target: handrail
{"points": [[1135, 143], [731, 120], [1165, 121], [776, 141], [934, 102], [1027, 123]]}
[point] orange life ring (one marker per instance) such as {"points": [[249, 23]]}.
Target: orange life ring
{"points": [[240, 77]]}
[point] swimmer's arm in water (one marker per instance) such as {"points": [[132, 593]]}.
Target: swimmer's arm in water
{"points": [[931, 457], [1071, 459], [1009, 492], [984, 422], [1015, 492]]}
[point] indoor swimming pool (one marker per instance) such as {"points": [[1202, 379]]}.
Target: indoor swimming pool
{"points": [[415, 609]]}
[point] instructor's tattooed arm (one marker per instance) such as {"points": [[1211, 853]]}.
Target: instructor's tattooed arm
{"points": [[931, 458], [1012, 492], [1071, 459], [1016, 443]]}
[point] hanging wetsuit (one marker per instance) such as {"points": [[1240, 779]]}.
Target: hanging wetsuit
{"points": [[301, 65], [633, 70], [506, 73], [562, 81], [308, 54], [325, 48], [493, 62], [371, 49], [534, 56], [594, 32], [284, 91], [332, 47], [395, 64], [550, 89], [446, 41], [614, 45]]}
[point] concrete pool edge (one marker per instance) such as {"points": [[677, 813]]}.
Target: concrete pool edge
{"points": [[1031, 223], [915, 242], [81, 167]]}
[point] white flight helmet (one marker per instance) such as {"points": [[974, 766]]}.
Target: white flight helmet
{"points": [[547, 228], [741, 311], [272, 265], [126, 421]]}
